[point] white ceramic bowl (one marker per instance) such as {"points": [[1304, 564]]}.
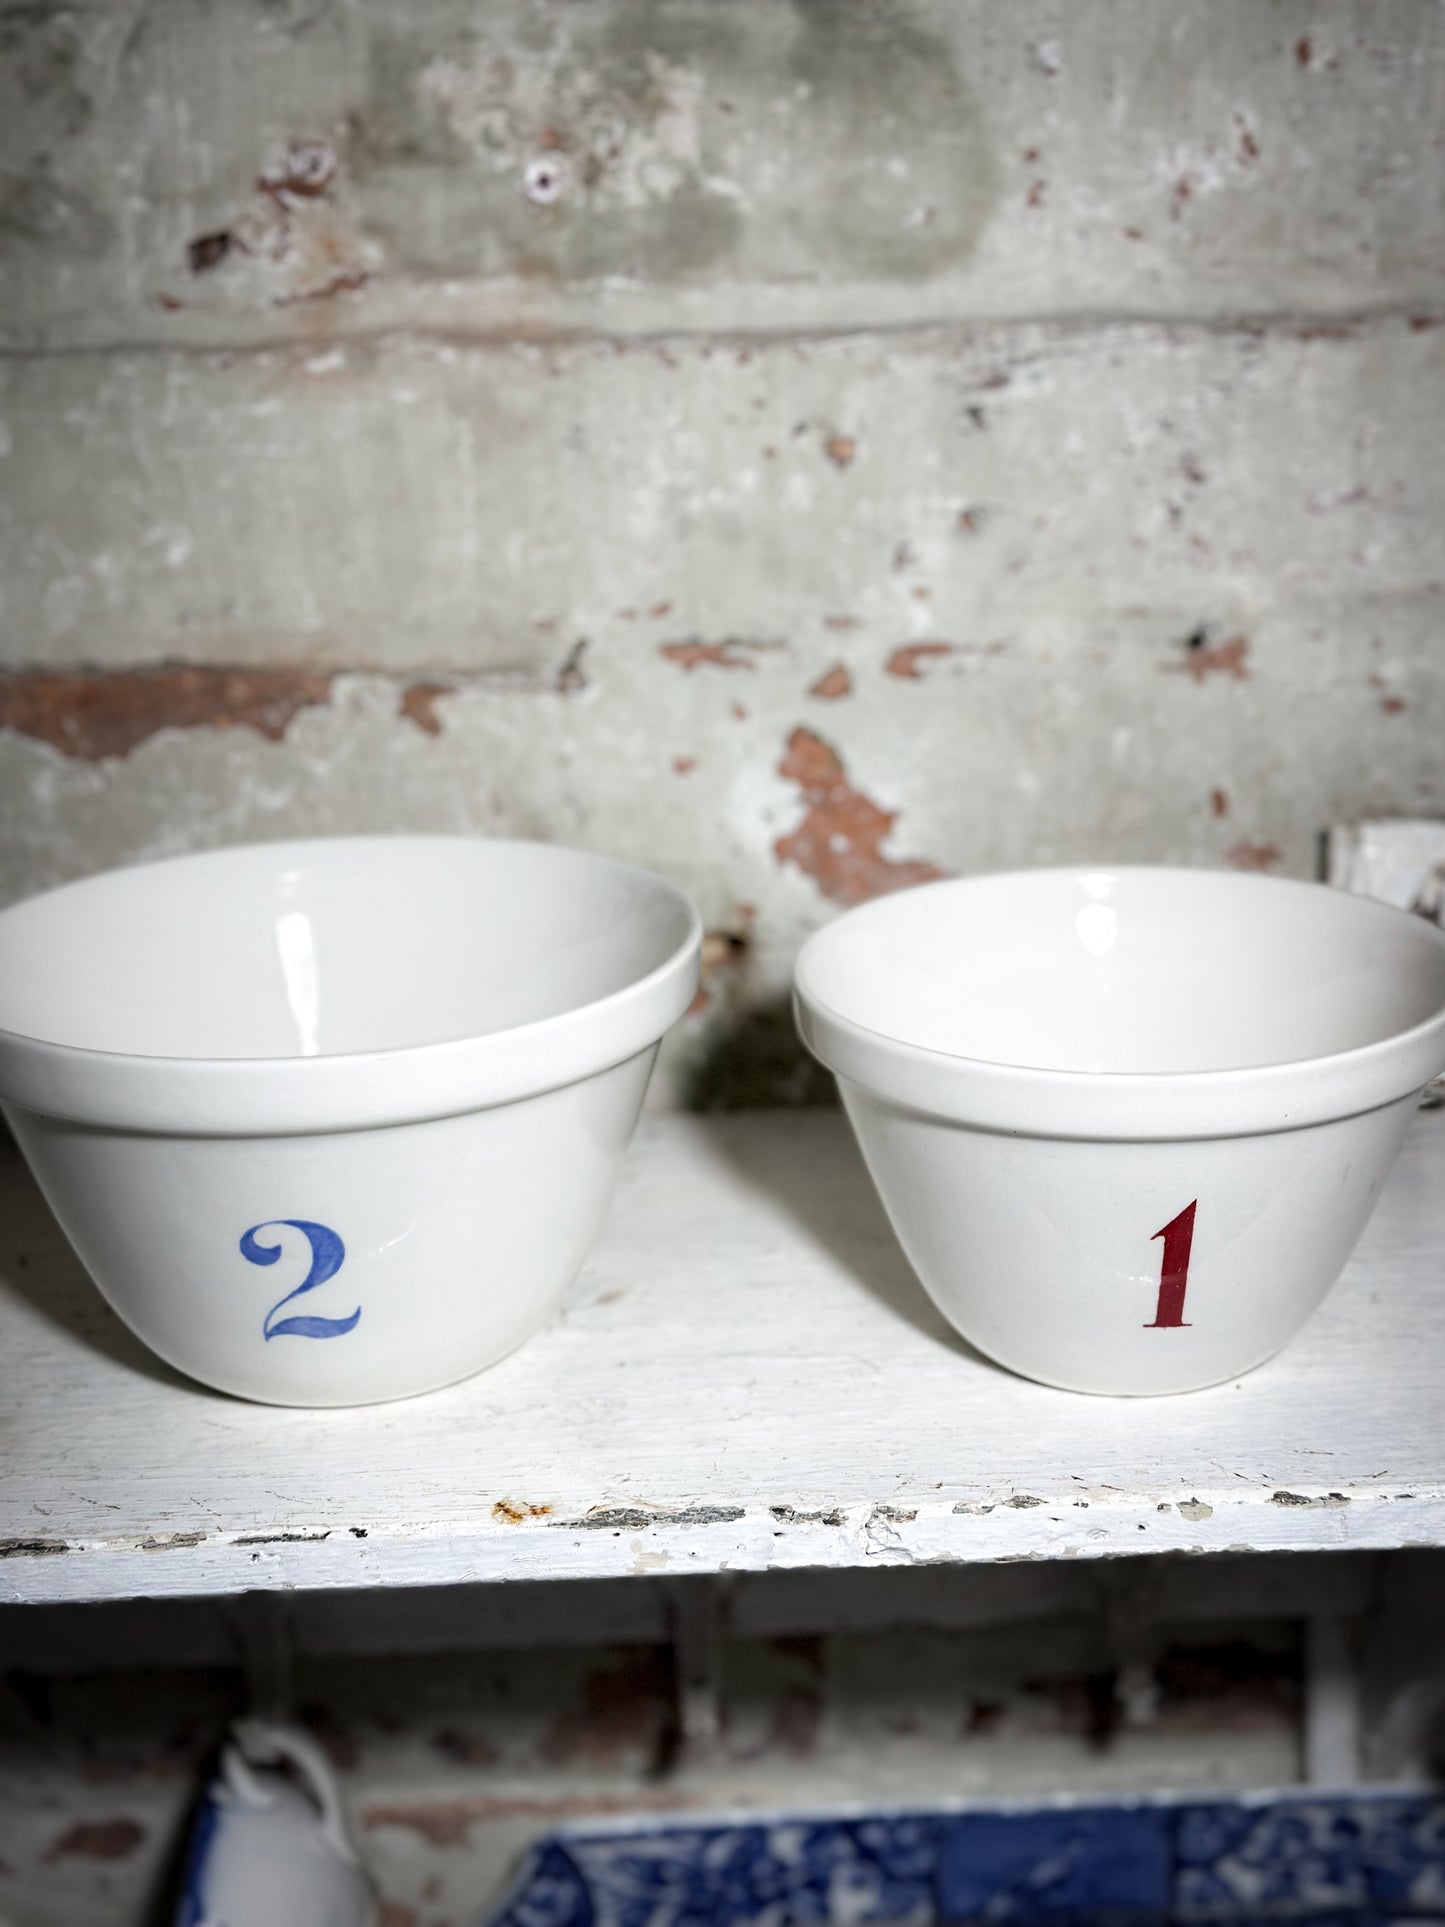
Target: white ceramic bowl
{"points": [[1128, 1124], [335, 1121]]}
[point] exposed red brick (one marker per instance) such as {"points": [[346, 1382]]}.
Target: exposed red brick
{"points": [[625, 1710], [906, 661], [1218, 803], [467, 1748], [660, 609], [840, 449], [970, 521], [1215, 659], [832, 684], [336, 1741], [684, 765], [1421, 324], [1245, 855], [95, 713], [98, 1840], [1392, 705], [419, 704], [693, 655], [795, 1724], [839, 841], [1303, 50], [448, 1823]]}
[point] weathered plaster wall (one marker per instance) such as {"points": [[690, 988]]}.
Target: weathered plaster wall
{"points": [[804, 447]]}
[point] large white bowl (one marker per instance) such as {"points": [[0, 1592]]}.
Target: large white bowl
{"points": [[335, 1121], [1128, 1124]]}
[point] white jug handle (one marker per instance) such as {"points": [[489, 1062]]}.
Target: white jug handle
{"points": [[262, 1743]]}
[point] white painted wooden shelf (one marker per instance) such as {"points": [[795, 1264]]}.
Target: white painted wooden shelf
{"points": [[745, 1375]]}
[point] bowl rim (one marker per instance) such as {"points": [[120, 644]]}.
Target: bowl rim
{"points": [[1034, 1101], [352, 1090]]}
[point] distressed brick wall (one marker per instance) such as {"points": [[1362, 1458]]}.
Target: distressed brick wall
{"points": [[463, 1722], [802, 447]]}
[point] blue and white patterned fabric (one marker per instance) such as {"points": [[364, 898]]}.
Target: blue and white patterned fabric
{"points": [[1368, 1860]]}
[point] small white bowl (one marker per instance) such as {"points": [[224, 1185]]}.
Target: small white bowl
{"points": [[336, 1121], [1128, 1124]]}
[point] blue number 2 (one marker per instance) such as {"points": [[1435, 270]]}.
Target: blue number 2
{"points": [[328, 1254]]}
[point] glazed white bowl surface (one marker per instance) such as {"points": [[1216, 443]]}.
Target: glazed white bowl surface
{"points": [[1127, 1123], [335, 1121]]}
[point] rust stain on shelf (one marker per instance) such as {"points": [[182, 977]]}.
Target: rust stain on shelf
{"points": [[513, 1511], [93, 714], [839, 842]]}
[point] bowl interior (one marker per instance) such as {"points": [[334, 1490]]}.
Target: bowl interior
{"points": [[307, 949], [1129, 970]]}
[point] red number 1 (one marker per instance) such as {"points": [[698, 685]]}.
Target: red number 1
{"points": [[1178, 1236]]}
